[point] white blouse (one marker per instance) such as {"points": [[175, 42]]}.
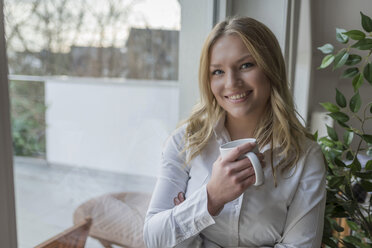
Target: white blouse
{"points": [[289, 215]]}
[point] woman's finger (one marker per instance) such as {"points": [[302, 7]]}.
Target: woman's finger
{"points": [[239, 165], [238, 151], [176, 201], [249, 181], [181, 196], [244, 174]]}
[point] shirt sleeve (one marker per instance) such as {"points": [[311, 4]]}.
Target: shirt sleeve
{"points": [[167, 225], [304, 225]]}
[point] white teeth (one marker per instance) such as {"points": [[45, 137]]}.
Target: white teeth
{"points": [[238, 96]]}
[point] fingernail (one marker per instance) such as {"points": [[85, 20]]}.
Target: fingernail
{"points": [[181, 196]]}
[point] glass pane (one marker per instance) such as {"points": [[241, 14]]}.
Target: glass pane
{"points": [[94, 95]]}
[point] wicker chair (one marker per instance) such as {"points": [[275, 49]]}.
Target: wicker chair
{"points": [[74, 237], [117, 219]]}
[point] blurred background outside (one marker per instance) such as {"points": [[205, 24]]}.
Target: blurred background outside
{"points": [[94, 95]]}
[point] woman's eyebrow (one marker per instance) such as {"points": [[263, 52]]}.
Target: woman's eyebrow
{"points": [[239, 60], [244, 57], [215, 65]]}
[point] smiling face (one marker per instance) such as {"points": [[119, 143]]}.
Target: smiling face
{"points": [[240, 87]]}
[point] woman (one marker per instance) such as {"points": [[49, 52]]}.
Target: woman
{"points": [[244, 94]]}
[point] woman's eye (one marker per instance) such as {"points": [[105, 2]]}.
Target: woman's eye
{"points": [[217, 72], [246, 65]]}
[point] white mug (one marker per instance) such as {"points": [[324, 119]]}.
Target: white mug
{"points": [[225, 148]]}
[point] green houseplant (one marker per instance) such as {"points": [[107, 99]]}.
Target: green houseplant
{"points": [[28, 118], [348, 181]]}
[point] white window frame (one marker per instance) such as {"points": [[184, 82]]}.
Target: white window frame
{"points": [[197, 20], [8, 230]]}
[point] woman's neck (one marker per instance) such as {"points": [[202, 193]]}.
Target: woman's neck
{"points": [[240, 128]]}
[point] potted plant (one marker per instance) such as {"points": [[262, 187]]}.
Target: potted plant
{"points": [[349, 180]]}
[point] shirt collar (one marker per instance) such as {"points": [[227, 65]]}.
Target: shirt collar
{"points": [[220, 131], [219, 126]]}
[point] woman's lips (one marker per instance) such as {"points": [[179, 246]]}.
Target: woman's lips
{"points": [[238, 97]]}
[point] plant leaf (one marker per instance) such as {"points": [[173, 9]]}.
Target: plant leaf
{"points": [[355, 34], [367, 138], [348, 137], [349, 194], [350, 240], [369, 152], [353, 59], [349, 156], [339, 163], [326, 48], [327, 60], [357, 81], [327, 142], [355, 103], [364, 175], [357, 131], [334, 182], [340, 59], [334, 153], [315, 135], [330, 107], [342, 124], [355, 166], [339, 212], [332, 133], [366, 22], [367, 72], [350, 72], [353, 226], [369, 165], [340, 36], [329, 242], [364, 44], [339, 116], [340, 99], [366, 185]]}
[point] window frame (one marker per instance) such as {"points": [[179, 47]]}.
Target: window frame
{"points": [[8, 230]]}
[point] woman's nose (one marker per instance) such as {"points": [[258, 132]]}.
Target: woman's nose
{"points": [[232, 79]]}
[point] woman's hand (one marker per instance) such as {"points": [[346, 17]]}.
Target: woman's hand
{"points": [[230, 178], [179, 198]]}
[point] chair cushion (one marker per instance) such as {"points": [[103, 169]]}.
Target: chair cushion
{"points": [[116, 218]]}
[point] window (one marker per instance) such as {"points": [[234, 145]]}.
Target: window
{"points": [[94, 95]]}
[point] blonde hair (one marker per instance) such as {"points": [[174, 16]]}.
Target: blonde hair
{"points": [[279, 126]]}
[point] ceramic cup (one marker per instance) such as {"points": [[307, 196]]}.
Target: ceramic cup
{"points": [[225, 148]]}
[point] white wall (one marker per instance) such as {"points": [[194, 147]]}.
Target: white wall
{"points": [[196, 22], [302, 81], [119, 127], [273, 13]]}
